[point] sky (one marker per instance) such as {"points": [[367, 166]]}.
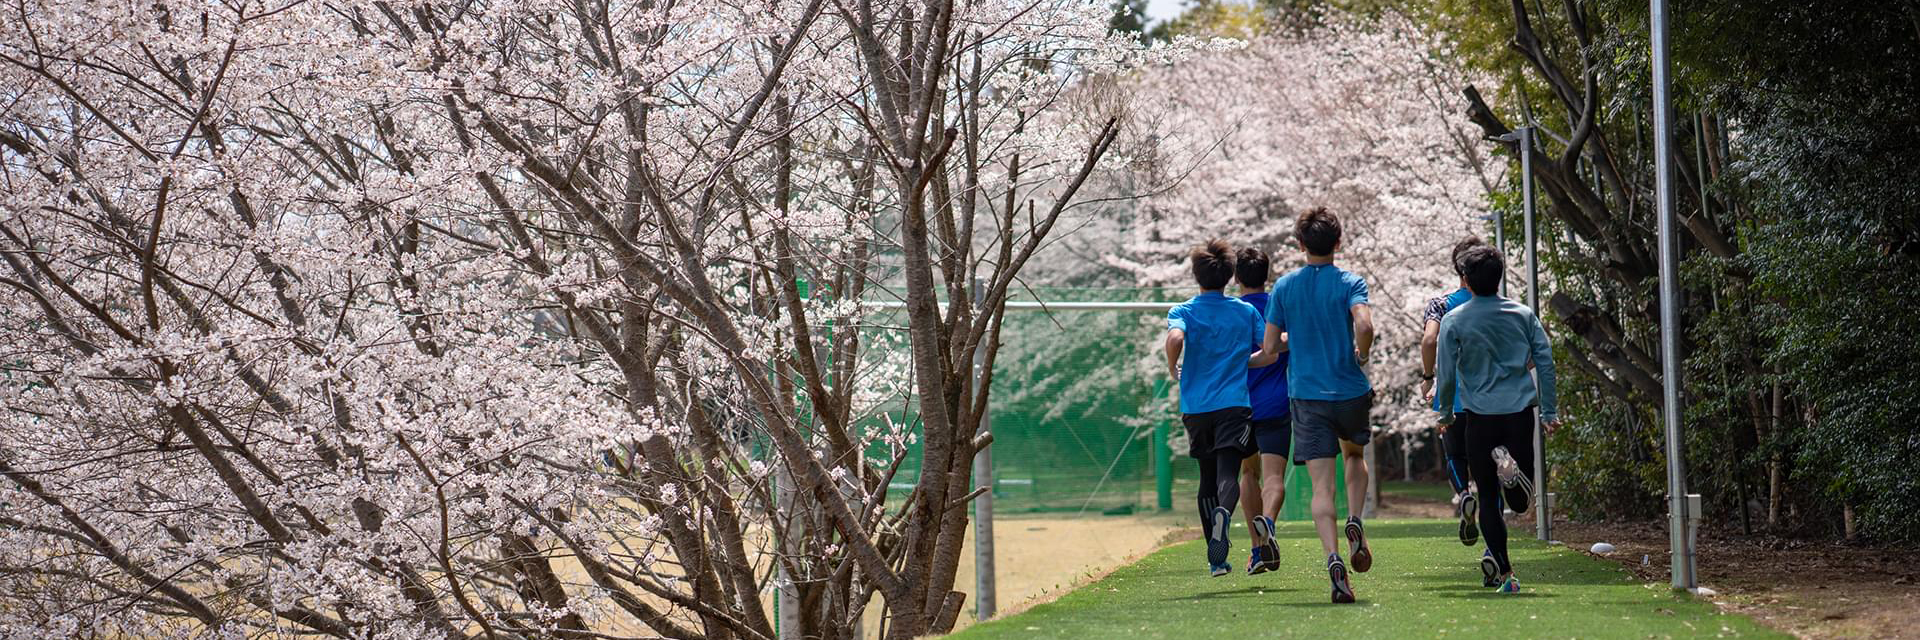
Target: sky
{"points": [[1158, 10]]}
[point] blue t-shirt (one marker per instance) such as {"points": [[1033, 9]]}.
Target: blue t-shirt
{"points": [[1266, 386], [1437, 308], [1213, 370], [1314, 305]]}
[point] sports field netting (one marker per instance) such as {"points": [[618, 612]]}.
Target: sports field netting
{"points": [[1074, 406], [1080, 402]]}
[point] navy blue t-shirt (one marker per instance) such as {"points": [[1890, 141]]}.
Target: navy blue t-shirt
{"points": [[1266, 386]]}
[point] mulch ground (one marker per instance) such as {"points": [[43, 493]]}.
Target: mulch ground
{"points": [[1812, 589]]}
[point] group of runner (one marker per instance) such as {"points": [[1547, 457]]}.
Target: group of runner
{"points": [[1283, 370]]}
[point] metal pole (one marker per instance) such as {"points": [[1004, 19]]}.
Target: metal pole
{"points": [[1541, 521], [983, 595], [786, 606], [1162, 455], [1500, 240], [1680, 536]]}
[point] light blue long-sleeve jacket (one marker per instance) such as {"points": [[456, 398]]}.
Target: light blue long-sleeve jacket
{"points": [[1485, 346]]}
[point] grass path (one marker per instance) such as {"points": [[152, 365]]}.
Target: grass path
{"points": [[1424, 584]]}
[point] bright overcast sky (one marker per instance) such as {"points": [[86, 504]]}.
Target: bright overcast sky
{"points": [[1158, 10]]}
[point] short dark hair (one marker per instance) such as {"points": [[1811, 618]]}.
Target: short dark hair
{"points": [[1460, 249], [1250, 267], [1212, 264], [1483, 267], [1318, 230]]}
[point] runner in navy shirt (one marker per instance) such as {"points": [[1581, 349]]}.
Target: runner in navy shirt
{"points": [[1263, 479]]}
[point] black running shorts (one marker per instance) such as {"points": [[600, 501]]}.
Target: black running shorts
{"points": [[1226, 429]]}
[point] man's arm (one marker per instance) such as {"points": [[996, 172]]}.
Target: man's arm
{"points": [[1444, 380], [1429, 350], [1543, 373], [1362, 332], [1176, 342], [1271, 346]]}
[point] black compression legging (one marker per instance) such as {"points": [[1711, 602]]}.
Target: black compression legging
{"points": [[1454, 442], [1219, 486], [1484, 432]]}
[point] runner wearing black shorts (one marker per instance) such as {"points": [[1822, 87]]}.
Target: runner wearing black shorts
{"points": [[1209, 340]]}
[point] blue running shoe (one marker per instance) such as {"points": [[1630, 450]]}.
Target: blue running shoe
{"points": [[1272, 546], [1258, 562], [1218, 570], [1217, 541], [1489, 570], [1509, 585]]}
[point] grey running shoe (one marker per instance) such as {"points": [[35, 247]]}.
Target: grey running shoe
{"points": [[1337, 570], [1217, 542], [1514, 485], [1469, 518], [1357, 538]]}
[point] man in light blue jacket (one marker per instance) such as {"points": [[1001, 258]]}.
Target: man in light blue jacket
{"points": [[1486, 349]]}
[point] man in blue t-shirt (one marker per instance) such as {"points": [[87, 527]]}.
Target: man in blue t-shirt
{"points": [[1215, 334], [1453, 440], [1263, 479], [1320, 312]]}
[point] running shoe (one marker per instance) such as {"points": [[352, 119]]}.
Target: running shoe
{"points": [[1516, 486], [1258, 562], [1489, 570], [1357, 539], [1509, 585], [1272, 554], [1337, 570], [1217, 542], [1469, 518]]}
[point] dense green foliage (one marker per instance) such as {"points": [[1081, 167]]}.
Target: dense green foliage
{"points": [[1422, 586], [1796, 143], [1801, 352]]}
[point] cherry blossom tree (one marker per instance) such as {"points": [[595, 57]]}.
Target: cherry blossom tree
{"points": [[497, 319], [1356, 116]]}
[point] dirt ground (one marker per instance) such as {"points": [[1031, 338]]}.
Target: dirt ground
{"points": [[1039, 557], [1809, 589]]}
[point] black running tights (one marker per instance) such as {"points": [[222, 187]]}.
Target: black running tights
{"points": [[1484, 432], [1219, 486]]}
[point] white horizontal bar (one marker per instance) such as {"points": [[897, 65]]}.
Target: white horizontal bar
{"points": [[1037, 305]]}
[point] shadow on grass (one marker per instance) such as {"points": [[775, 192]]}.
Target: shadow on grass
{"points": [[1244, 592], [1327, 604]]}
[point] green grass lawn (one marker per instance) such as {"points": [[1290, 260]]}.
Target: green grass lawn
{"points": [[1424, 584]]}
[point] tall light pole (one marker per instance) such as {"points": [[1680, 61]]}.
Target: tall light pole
{"points": [[1541, 522], [1523, 137], [983, 567], [1679, 527]]}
